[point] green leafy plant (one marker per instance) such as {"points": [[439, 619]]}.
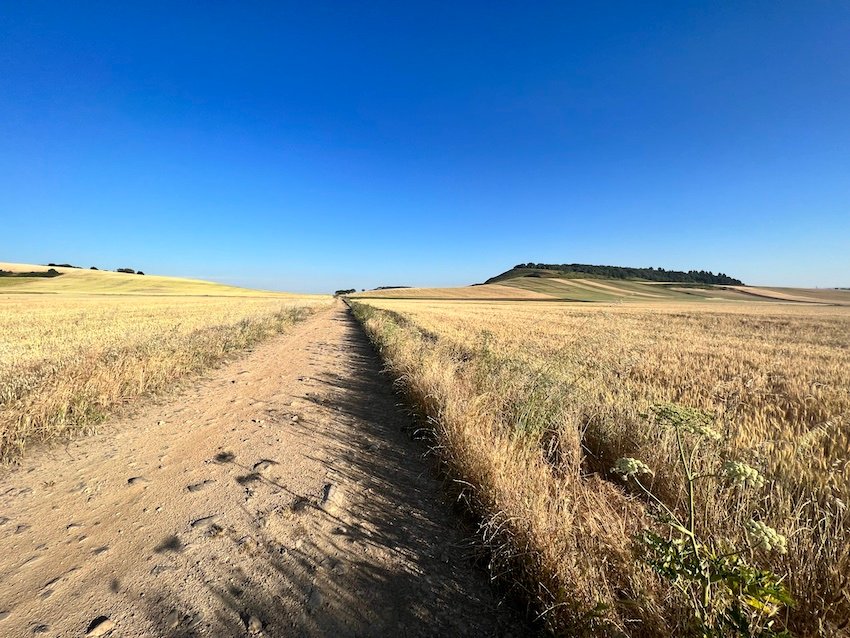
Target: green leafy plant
{"points": [[727, 595]]}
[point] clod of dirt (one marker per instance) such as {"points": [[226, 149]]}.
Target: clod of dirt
{"points": [[4, 614], [254, 625], [265, 464], [214, 530], [137, 480], [332, 498], [300, 504], [172, 620], [100, 626], [203, 520]]}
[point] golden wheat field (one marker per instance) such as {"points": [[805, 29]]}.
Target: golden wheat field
{"points": [[533, 403], [67, 360]]}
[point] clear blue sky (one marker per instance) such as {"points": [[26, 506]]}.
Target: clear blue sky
{"points": [[313, 146]]}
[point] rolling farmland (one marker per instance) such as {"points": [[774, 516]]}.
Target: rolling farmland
{"points": [[611, 290]]}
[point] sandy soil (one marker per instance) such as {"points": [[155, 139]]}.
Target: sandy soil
{"points": [[280, 496]]}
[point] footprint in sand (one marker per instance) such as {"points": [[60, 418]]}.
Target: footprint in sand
{"points": [[48, 588], [197, 487], [30, 560]]}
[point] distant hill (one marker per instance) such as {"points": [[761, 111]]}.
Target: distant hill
{"points": [[64, 279], [585, 271], [545, 285]]}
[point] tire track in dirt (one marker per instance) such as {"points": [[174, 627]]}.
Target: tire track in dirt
{"points": [[278, 496]]}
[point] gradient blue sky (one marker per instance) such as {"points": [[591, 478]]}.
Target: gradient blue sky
{"points": [[315, 146]]}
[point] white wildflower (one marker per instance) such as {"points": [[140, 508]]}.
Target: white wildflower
{"points": [[686, 419], [702, 430], [627, 467], [740, 473], [766, 537]]}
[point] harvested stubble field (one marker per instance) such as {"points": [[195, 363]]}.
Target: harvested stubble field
{"points": [[67, 360], [533, 403]]}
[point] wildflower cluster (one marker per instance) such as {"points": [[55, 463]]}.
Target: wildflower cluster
{"points": [[627, 467], [686, 419], [739, 473], [766, 537]]}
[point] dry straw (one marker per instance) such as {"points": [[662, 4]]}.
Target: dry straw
{"points": [[534, 404]]}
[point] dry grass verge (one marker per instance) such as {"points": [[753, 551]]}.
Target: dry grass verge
{"points": [[67, 362], [531, 407]]}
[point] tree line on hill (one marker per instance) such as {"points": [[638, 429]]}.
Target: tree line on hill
{"points": [[128, 271], [649, 274], [50, 272], [348, 291]]}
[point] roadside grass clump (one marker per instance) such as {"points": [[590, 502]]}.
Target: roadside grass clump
{"points": [[65, 364], [533, 405]]}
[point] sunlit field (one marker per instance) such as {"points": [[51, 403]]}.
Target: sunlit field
{"points": [[68, 360], [534, 403]]}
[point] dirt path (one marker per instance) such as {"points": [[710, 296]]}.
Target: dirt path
{"points": [[279, 496]]}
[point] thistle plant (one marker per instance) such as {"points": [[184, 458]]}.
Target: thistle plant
{"points": [[728, 596]]}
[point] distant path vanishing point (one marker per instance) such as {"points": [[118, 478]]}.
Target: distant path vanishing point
{"points": [[278, 496]]}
